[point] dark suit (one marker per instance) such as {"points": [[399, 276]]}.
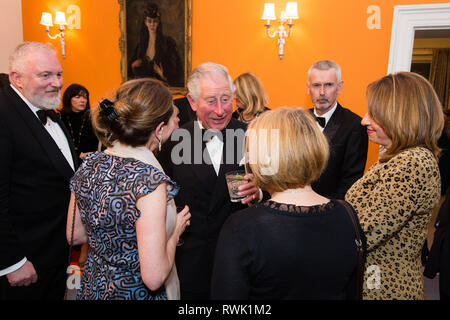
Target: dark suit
{"points": [[348, 143], [34, 195], [207, 196], [186, 113]]}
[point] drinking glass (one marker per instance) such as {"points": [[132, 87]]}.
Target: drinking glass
{"points": [[234, 180]]}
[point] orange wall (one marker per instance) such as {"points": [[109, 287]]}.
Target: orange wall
{"points": [[231, 32]]}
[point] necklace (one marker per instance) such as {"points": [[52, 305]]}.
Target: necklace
{"points": [[76, 143]]}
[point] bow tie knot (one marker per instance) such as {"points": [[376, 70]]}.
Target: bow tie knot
{"points": [[43, 114], [321, 121], [211, 133]]}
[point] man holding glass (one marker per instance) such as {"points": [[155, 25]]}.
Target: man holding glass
{"points": [[213, 146]]}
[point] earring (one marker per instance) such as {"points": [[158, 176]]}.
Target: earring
{"points": [[160, 139]]}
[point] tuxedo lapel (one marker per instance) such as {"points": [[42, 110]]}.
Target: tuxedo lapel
{"points": [[42, 136], [230, 146], [201, 163], [69, 140], [333, 124]]}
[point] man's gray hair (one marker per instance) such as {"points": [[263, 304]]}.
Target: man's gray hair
{"points": [[204, 70], [18, 58], [326, 65]]}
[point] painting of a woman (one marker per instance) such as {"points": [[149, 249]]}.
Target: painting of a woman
{"points": [[156, 54]]}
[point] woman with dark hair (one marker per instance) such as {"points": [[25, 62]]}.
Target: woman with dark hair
{"points": [[156, 55], [75, 114]]}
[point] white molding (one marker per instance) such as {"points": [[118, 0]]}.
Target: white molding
{"points": [[408, 19]]}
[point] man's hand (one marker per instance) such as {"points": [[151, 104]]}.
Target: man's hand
{"points": [[24, 276], [249, 189]]}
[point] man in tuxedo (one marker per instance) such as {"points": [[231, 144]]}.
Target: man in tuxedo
{"points": [[213, 145], [346, 136], [37, 160]]}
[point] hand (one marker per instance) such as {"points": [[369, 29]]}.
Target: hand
{"points": [[183, 220], [24, 276], [159, 70], [249, 189], [83, 155], [136, 63]]}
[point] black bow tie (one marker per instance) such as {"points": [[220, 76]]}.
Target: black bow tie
{"points": [[43, 114], [210, 133], [321, 121]]}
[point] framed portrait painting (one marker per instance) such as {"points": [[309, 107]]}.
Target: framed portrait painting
{"points": [[156, 41]]}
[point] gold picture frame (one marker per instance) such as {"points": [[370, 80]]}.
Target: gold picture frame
{"points": [[176, 35]]}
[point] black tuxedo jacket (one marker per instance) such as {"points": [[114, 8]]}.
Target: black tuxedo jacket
{"points": [[186, 113], [34, 188], [348, 143], [207, 196]]}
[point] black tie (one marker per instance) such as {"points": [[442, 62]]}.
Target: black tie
{"points": [[43, 114], [213, 132], [321, 121]]}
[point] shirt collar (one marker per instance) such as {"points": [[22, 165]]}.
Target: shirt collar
{"points": [[328, 114]]}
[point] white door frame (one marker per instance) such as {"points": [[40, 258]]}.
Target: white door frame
{"points": [[408, 19]]}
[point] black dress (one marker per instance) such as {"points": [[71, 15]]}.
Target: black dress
{"points": [[279, 251], [80, 129]]}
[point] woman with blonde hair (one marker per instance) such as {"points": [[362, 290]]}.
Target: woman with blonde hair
{"points": [[124, 201], [396, 196], [251, 99], [298, 244]]}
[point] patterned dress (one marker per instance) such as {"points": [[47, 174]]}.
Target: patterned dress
{"points": [[394, 201], [106, 188]]}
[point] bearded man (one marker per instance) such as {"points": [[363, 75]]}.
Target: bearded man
{"points": [[37, 160]]}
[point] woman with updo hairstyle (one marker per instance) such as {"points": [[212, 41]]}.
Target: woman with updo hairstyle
{"points": [[251, 98], [123, 200], [298, 244], [396, 196]]}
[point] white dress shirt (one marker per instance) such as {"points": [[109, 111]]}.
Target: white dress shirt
{"points": [[215, 150]]}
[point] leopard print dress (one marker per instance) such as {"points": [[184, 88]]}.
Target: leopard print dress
{"points": [[394, 201]]}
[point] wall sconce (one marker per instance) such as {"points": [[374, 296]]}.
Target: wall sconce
{"points": [[60, 18], [287, 15]]}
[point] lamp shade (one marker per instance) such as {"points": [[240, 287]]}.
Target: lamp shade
{"points": [[269, 12], [60, 18], [291, 10], [46, 19]]}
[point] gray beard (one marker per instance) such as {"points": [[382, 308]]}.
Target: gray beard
{"points": [[47, 104]]}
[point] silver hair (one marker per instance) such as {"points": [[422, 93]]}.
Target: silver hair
{"points": [[203, 70], [18, 58], [326, 65]]}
